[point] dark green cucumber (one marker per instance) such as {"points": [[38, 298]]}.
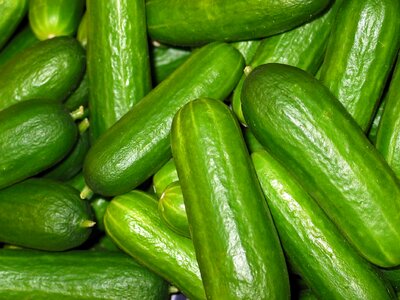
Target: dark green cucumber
{"points": [[360, 54], [118, 60], [22, 40], [393, 275], [82, 31], [373, 131], [305, 126], [80, 97], [99, 206], [77, 182], [50, 69], [316, 249], [180, 22], [76, 275], [164, 177], [11, 12], [51, 18], [172, 209], [236, 243], [105, 243], [44, 214], [34, 135], [138, 144], [134, 224]]}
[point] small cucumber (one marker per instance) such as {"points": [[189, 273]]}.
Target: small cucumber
{"points": [[191, 23], [138, 144], [80, 96], [237, 246], [11, 12], [164, 177], [134, 224], [301, 123], [50, 69], [99, 206], [51, 18], [34, 135], [360, 53], [82, 275], [44, 214]]}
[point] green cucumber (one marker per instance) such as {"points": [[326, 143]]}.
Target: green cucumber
{"points": [[50, 69], [172, 209], [34, 135], [190, 23], [82, 31], [11, 12], [373, 131], [22, 40], [134, 224], [76, 275], [43, 214], [393, 275], [99, 206], [138, 144], [118, 60], [251, 141], [247, 48], [165, 176], [360, 53], [237, 246], [105, 243], [51, 18], [329, 265], [77, 182], [301, 123], [80, 97]]}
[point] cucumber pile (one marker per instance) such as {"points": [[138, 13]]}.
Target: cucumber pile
{"points": [[208, 149]]}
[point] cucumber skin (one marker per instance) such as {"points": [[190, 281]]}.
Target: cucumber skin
{"points": [[12, 12], [51, 69], [133, 223], [81, 36], [325, 149], [34, 135], [117, 60], [196, 23], [52, 18], [99, 206], [360, 54], [49, 215], [80, 97], [164, 177], [330, 266], [373, 131], [138, 144], [241, 258], [27, 274]]}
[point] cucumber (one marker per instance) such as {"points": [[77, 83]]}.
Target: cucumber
{"points": [[133, 223], [138, 144], [77, 182], [190, 23], [99, 206], [105, 244], [164, 177], [80, 97], [172, 209], [393, 275], [51, 18], [43, 214], [22, 40], [247, 48], [360, 53], [34, 135], [50, 69], [240, 257], [11, 12], [251, 141], [373, 131], [118, 60], [82, 31], [31, 274], [304, 125], [329, 265]]}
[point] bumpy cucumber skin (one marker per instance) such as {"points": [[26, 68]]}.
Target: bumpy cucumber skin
{"points": [[236, 243], [134, 224], [85, 275], [138, 144], [331, 267], [180, 22], [164, 177], [34, 135], [51, 69], [11, 12], [51, 18], [118, 60], [50, 215], [360, 53], [304, 125]]}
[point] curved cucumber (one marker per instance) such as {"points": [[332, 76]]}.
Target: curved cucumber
{"points": [[50, 69], [302, 124], [76, 275], [240, 257], [34, 135], [133, 222], [360, 53], [180, 22], [330, 266], [11, 12], [43, 214], [138, 144], [164, 177], [51, 18], [117, 59]]}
